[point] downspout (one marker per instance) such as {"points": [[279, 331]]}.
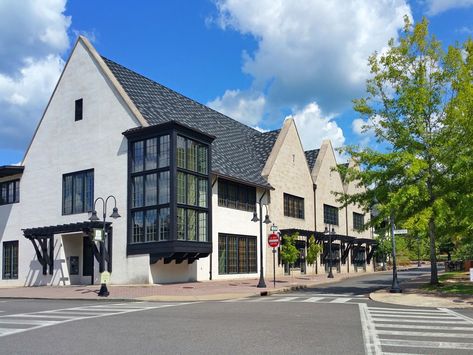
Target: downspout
{"points": [[346, 222], [211, 254], [315, 224]]}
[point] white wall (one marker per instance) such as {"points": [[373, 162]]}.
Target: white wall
{"points": [[62, 146], [228, 221]]}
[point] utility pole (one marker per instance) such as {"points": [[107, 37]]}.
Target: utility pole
{"points": [[395, 288]]}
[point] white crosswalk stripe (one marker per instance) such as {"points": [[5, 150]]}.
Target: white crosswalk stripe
{"points": [[388, 329], [35, 320], [305, 298]]}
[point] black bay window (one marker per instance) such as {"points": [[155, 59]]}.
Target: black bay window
{"points": [[169, 191], [9, 192], [236, 254], [330, 215], [77, 192], [150, 185]]}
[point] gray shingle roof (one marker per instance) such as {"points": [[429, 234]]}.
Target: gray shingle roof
{"points": [[263, 144], [236, 148], [311, 156]]}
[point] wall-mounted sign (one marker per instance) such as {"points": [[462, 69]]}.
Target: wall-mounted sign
{"points": [[105, 277], [98, 235]]}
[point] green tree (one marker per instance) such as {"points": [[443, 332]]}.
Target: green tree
{"points": [[289, 252], [313, 250], [406, 107]]}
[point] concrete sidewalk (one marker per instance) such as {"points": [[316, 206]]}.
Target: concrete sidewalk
{"points": [[413, 295], [190, 291]]}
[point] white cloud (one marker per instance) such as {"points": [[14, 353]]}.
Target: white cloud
{"points": [[435, 7], [314, 127], [33, 35], [364, 129], [312, 50], [240, 105]]}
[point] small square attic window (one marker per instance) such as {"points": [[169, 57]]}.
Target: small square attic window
{"points": [[78, 114]]}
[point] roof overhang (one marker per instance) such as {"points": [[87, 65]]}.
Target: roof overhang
{"points": [[321, 236], [137, 132], [241, 181], [43, 232], [10, 170]]}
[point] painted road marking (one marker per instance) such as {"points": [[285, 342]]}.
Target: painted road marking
{"points": [[380, 325], [313, 299], [426, 344], [340, 300], [60, 316], [285, 299]]}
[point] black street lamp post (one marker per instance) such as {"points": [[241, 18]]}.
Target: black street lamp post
{"points": [[261, 283], [329, 233], [103, 287], [395, 288]]}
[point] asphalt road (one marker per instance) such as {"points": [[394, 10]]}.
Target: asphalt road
{"points": [[333, 319]]}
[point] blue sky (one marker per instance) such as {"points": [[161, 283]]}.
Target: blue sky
{"points": [[257, 61]]}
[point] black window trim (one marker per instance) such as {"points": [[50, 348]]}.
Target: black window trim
{"points": [[225, 201], [296, 199], [83, 190], [355, 226], [173, 129], [16, 186], [238, 236], [10, 244], [337, 215]]}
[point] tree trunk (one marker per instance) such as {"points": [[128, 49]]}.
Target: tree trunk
{"points": [[434, 280]]}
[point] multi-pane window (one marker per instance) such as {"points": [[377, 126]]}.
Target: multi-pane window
{"points": [[192, 189], [10, 260], [238, 196], [236, 254], [293, 206], [330, 215], [77, 192], [9, 192], [156, 165], [150, 189], [358, 221]]}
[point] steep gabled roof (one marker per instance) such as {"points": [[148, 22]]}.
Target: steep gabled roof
{"points": [[234, 150], [263, 144], [311, 156]]}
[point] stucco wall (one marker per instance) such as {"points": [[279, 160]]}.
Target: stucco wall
{"points": [[62, 146]]}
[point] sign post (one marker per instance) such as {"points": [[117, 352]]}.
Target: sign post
{"points": [[273, 241]]}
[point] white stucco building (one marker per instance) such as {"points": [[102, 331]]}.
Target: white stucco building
{"points": [[186, 180]]}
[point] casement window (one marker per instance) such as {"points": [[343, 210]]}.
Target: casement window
{"points": [[330, 215], [237, 196], [78, 110], [10, 260], [236, 254], [358, 221], [150, 190], [9, 192], [192, 189], [293, 206], [78, 192]]}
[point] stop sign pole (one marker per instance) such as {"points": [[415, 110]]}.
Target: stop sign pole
{"points": [[273, 241]]}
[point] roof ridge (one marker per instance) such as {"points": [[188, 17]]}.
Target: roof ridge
{"points": [[186, 97]]}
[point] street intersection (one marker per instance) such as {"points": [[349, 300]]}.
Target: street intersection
{"points": [[334, 319]]}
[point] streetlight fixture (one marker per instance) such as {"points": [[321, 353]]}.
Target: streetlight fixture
{"points": [[330, 233], [94, 218], [261, 283]]}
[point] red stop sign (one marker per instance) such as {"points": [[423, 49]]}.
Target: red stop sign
{"points": [[273, 240]]}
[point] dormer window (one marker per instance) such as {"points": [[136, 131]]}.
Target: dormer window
{"points": [[78, 110]]}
